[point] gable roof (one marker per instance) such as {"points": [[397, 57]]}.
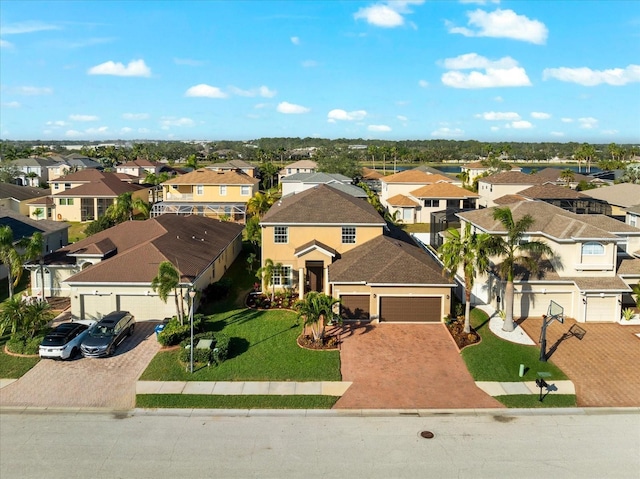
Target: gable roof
{"points": [[369, 174], [551, 191], [190, 243], [553, 222], [553, 174], [402, 200], [512, 178], [475, 165], [21, 193], [33, 161], [385, 260], [316, 178], [205, 176], [109, 186], [308, 164], [322, 204], [414, 176], [508, 199], [23, 226], [443, 190], [622, 194], [83, 176]]}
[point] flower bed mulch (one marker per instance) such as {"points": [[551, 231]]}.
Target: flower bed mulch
{"points": [[462, 339]]}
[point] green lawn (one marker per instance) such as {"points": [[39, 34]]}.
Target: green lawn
{"points": [[76, 231], [533, 400], [13, 367], [416, 227], [495, 359], [234, 402]]}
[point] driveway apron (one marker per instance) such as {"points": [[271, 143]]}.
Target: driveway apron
{"points": [[84, 382], [406, 366]]}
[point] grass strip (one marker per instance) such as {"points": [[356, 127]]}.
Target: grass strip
{"points": [[207, 401], [529, 401]]}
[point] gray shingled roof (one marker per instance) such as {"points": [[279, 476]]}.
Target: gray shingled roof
{"points": [[316, 178], [622, 194], [21, 193], [322, 205]]}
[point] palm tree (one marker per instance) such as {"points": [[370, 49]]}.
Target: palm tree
{"points": [[469, 251], [167, 281], [191, 162], [567, 176], [259, 204], [124, 206], [36, 315], [516, 251], [635, 289], [316, 309], [12, 315], [267, 272], [253, 233], [33, 250], [10, 257]]}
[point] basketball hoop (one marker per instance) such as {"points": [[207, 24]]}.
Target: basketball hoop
{"points": [[555, 312]]}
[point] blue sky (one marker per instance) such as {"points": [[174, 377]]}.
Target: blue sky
{"points": [[211, 70]]}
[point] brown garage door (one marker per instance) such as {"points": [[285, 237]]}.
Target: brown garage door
{"points": [[354, 306], [393, 308]]}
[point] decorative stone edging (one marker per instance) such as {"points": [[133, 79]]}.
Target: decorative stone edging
{"points": [[17, 355]]}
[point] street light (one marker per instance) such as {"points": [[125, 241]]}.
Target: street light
{"points": [[192, 294]]}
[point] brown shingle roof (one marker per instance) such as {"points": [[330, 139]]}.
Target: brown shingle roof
{"points": [[384, 260], [320, 205], [205, 176], [369, 174], [414, 176], [476, 165], [551, 191], [553, 174], [628, 266], [622, 194], [508, 200], [443, 190], [402, 200], [109, 186], [512, 178]]}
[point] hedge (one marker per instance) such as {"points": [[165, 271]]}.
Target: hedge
{"points": [[174, 332], [218, 352]]}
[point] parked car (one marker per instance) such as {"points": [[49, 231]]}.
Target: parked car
{"points": [[110, 331], [63, 342]]}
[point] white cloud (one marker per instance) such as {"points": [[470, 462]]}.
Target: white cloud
{"points": [[295, 40], [386, 14], [262, 91], [97, 131], [379, 128], [503, 24], [32, 90], [539, 115], [498, 99], [402, 118], [135, 116], [5, 44], [126, 129], [491, 78], [11, 104], [309, 63], [135, 68], [479, 2], [189, 62], [259, 106], [206, 91], [291, 108], [168, 121], [609, 132], [588, 123], [557, 133], [27, 27], [83, 118], [73, 133], [58, 123], [588, 77], [423, 83], [446, 132], [343, 115], [497, 115], [474, 61], [566, 120], [520, 125], [495, 128]]}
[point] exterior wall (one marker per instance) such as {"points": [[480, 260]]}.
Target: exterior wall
{"points": [[54, 281], [575, 264], [389, 190], [210, 193], [489, 192]]}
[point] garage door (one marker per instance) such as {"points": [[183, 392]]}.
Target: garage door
{"points": [[394, 308], [601, 309], [96, 306], [354, 306], [145, 308]]}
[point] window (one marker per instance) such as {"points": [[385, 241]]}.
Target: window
{"points": [[281, 234], [199, 190], [282, 276], [632, 220], [348, 234], [407, 214], [223, 190], [66, 201], [244, 190], [67, 186], [431, 203], [592, 249], [56, 186]]}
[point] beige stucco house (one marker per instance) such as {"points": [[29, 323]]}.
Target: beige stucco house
{"points": [[502, 184]]}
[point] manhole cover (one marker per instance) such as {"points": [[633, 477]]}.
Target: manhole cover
{"points": [[427, 434]]}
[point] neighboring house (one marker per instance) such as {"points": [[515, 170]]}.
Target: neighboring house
{"points": [[205, 192], [405, 182], [560, 196], [434, 171], [633, 216], [16, 197], [69, 165], [301, 166], [329, 241], [303, 181], [33, 170], [620, 196], [554, 175], [473, 170], [139, 169], [54, 234], [596, 260], [113, 269], [371, 178], [85, 195], [239, 165], [505, 183]]}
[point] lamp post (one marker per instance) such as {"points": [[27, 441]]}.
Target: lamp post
{"points": [[192, 295]]}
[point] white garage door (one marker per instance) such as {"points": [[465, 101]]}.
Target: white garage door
{"points": [[601, 309], [145, 308], [96, 306], [536, 304]]}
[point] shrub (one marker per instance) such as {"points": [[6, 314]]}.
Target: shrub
{"points": [[23, 344], [174, 332], [218, 352], [218, 290], [627, 314]]}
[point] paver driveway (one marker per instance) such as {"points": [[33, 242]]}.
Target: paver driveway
{"points": [[603, 366], [406, 366], [102, 382]]}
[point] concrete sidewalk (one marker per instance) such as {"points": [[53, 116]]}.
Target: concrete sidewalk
{"points": [[241, 388], [525, 387]]}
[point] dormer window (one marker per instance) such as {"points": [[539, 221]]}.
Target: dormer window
{"points": [[592, 248]]}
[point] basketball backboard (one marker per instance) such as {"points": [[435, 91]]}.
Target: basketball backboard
{"points": [[555, 311]]}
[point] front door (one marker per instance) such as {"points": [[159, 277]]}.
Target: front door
{"points": [[315, 275]]}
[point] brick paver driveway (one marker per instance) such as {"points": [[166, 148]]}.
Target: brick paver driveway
{"points": [[603, 366], [104, 382], [406, 366]]}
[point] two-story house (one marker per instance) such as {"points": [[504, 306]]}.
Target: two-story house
{"points": [[300, 166], [505, 183], [620, 196], [589, 276], [303, 181], [139, 168], [329, 241], [69, 165], [206, 192], [33, 171], [561, 196], [240, 165]]}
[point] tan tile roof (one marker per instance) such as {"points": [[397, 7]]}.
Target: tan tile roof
{"points": [[476, 165], [384, 260], [42, 201], [205, 176], [320, 205], [622, 194], [551, 191], [553, 174], [508, 199], [414, 176], [402, 200], [307, 164], [552, 221], [443, 190], [190, 243], [369, 174], [629, 266], [512, 178], [140, 162], [107, 187], [601, 284]]}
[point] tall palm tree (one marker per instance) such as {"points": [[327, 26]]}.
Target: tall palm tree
{"points": [[33, 250], [469, 251], [124, 206], [10, 257], [167, 281], [515, 251], [316, 309]]}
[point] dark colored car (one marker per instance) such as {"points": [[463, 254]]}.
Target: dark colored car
{"points": [[63, 342], [110, 331]]}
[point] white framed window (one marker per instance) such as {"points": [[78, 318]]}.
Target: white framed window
{"points": [[431, 203], [223, 190], [282, 276], [592, 248], [407, 214], [348, 234], [56, 186], [66, 201], [200, 190], [633, 220], [281, 234], [244, 190]]}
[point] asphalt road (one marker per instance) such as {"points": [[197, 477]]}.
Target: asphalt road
{"points": [[170, 444]]}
